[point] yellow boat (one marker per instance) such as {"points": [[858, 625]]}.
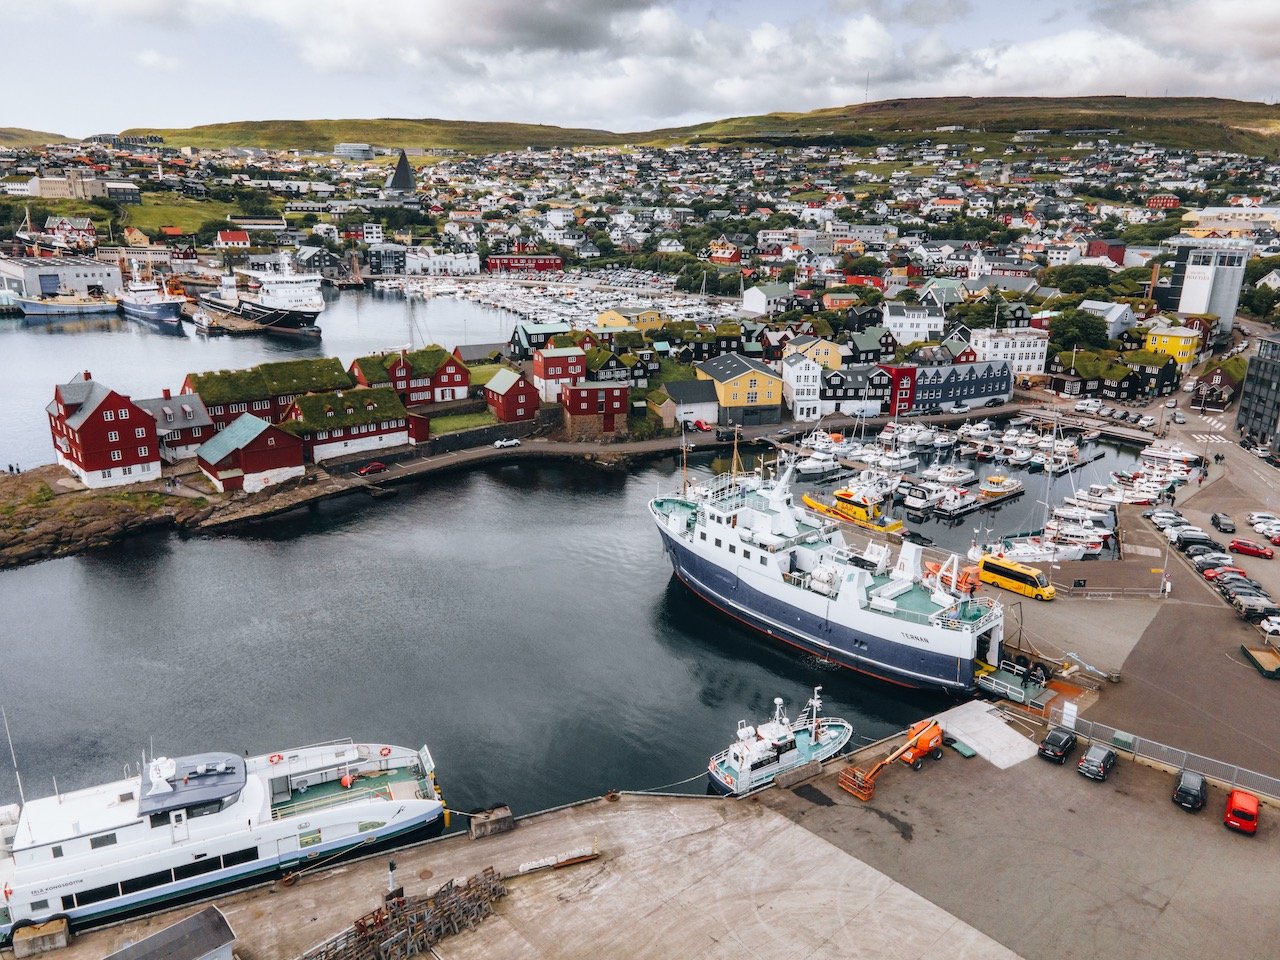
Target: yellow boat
{"points": [[855, 508]]}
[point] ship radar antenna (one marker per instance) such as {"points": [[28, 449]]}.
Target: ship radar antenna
{"points": [[13, 756]]}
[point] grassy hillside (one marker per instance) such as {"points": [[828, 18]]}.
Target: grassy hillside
{"points": [[1174, 121], [18, 137], [323, 134]]}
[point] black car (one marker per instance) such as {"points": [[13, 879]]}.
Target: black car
{"points": [[1058, 745], [994, 402], [1198, 550], [1199, 539], [1223, 523], [1097, 762], [1190, 790]]}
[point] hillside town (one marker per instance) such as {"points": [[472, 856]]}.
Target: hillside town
{"points": [[930, 275]]}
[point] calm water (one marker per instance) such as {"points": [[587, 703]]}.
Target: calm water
{"points": [[521, 620], [138, 361]]}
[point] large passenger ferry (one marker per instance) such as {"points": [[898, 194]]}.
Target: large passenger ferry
{"points": [[190, 826], [739, 542]]}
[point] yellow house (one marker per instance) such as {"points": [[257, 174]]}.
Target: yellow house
{"points": [[1181, 343], [642, 318], [825, 352], [748, 391]]}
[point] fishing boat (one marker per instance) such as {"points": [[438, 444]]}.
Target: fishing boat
{"points": [[286, 302], [1020, 456], [65, 304], [1090, 435], [741, 543], [1027, 549], [144, 300], [944, 440], [999, 485], [206, 324], [189, 826], [762, 752]]}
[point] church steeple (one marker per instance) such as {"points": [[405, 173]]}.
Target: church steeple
{"points": [[402, 180]]}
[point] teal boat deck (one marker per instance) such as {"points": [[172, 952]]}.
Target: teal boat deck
{"points": [[808, 752], [401, 782], [1010, 686]]}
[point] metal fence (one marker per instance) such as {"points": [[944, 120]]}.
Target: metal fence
{"points": [[1141, 747]]}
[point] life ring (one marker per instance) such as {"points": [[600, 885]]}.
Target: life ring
{"points": [[275, 758], [385, 752]]}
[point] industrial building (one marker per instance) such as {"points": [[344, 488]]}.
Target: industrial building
{"points": [[1259, 412], [44, 276], [1207, 276]]}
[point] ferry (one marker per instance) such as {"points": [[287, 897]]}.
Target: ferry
{"points": [[285, 302], [186, 827], [741, 543], [762, 752]]}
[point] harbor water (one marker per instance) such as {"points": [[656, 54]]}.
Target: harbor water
{"points": [[522, 619]]}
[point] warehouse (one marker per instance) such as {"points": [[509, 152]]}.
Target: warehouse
{"points": [[42, 276]]}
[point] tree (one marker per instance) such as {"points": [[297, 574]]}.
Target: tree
{"points": [[863, 266], [1073, 329]]}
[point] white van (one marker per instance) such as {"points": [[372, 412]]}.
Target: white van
{"points": [[1088, 406]]}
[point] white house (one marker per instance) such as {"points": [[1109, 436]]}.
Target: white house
{"points": [[694, 400], [913, 322], [802, 386], [1118, 317], [1025, 348], [766, 299]]}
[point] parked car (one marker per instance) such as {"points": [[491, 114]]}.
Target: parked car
{"points": [[995, 402], [1222, 523], [1207, 561], [1058, 745], [1171, 403], [703, 426], [1136, 416], [1106, 411], [1146, 422], [372, 467], [506, 442], [958, 408], [1255, 609], [1217, 572], [1177, 532], [1250, 549], [725, 433], [1270, 626], [1259, 517], [1097, 762], [1242, 811], [1190, 790], [1179, 417], [1197, 539]]}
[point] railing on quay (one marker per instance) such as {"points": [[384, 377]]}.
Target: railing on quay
{"points": [[1228, 774]]}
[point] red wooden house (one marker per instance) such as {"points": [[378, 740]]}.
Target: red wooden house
{"points": [[182, 424], [430, 375], [251, 454], [511, 397], [101, 436], [593, 411], [267, 390], [347, 422], [902, 387], [557, 367]]}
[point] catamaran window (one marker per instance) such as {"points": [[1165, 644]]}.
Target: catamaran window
{"points": [[138, 884], [106, 840], [204, 809], [97, 895], [240, 856], [763, 561], [39, 905], [702, 534], [732, 548], [188, 870], [57, 852], [718, 542]]}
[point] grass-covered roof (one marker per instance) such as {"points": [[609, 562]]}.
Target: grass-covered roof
{"points": [[286, 377], [345, 408]]}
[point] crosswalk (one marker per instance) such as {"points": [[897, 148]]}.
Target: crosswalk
{"points": [[1215, 423], [1210, 438]]}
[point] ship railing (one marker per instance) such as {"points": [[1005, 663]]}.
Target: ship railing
{"points": [[954, 618], [289, 809]]}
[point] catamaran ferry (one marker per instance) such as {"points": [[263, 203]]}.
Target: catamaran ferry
{"points": [[193, 825], [739, 542]]}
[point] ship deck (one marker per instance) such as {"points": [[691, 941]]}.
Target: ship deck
{"points": [[396, 784]]}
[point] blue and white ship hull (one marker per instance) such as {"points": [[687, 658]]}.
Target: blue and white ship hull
{"points": [[846, 646]]}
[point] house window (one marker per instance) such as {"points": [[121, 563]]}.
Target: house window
{"points": [[115, 455], [108, 415], [106, 474], [122, 413], [142, 451], [127, 471], [140, 433], [113, 436]]}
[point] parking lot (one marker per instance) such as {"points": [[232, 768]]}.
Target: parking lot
{"points": [[1054, 865]]}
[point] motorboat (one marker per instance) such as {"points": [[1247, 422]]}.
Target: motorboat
{"points": [[999, 485]]}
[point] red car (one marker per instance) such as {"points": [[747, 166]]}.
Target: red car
{"points": [[1251, 549], [1242, 812], [1276, 539], [702, 425], [372, 467], [1217, 572]]}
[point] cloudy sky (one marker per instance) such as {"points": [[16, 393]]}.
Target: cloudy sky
{"points": [[93, 66]]}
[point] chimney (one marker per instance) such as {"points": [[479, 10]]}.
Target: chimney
{"points": [[166, 393], [88, 375]]}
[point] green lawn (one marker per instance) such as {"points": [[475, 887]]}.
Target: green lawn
{"points": [[169, 211], [462, 421]]}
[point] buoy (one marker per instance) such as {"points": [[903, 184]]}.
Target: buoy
{"points": [[347, 780]]}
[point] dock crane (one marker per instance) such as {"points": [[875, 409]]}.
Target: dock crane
{"points": [[923, 739]]}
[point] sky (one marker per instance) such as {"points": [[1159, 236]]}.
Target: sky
{"points": [[619, 65]]}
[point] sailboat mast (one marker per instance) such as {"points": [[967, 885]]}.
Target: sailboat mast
{"points": [[13, 756]]}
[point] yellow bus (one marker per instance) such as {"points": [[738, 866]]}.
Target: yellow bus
{"points": [[1018, 577]]}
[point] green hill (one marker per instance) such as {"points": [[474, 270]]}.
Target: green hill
{"points": [[1201, 122], [18, 137]]}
